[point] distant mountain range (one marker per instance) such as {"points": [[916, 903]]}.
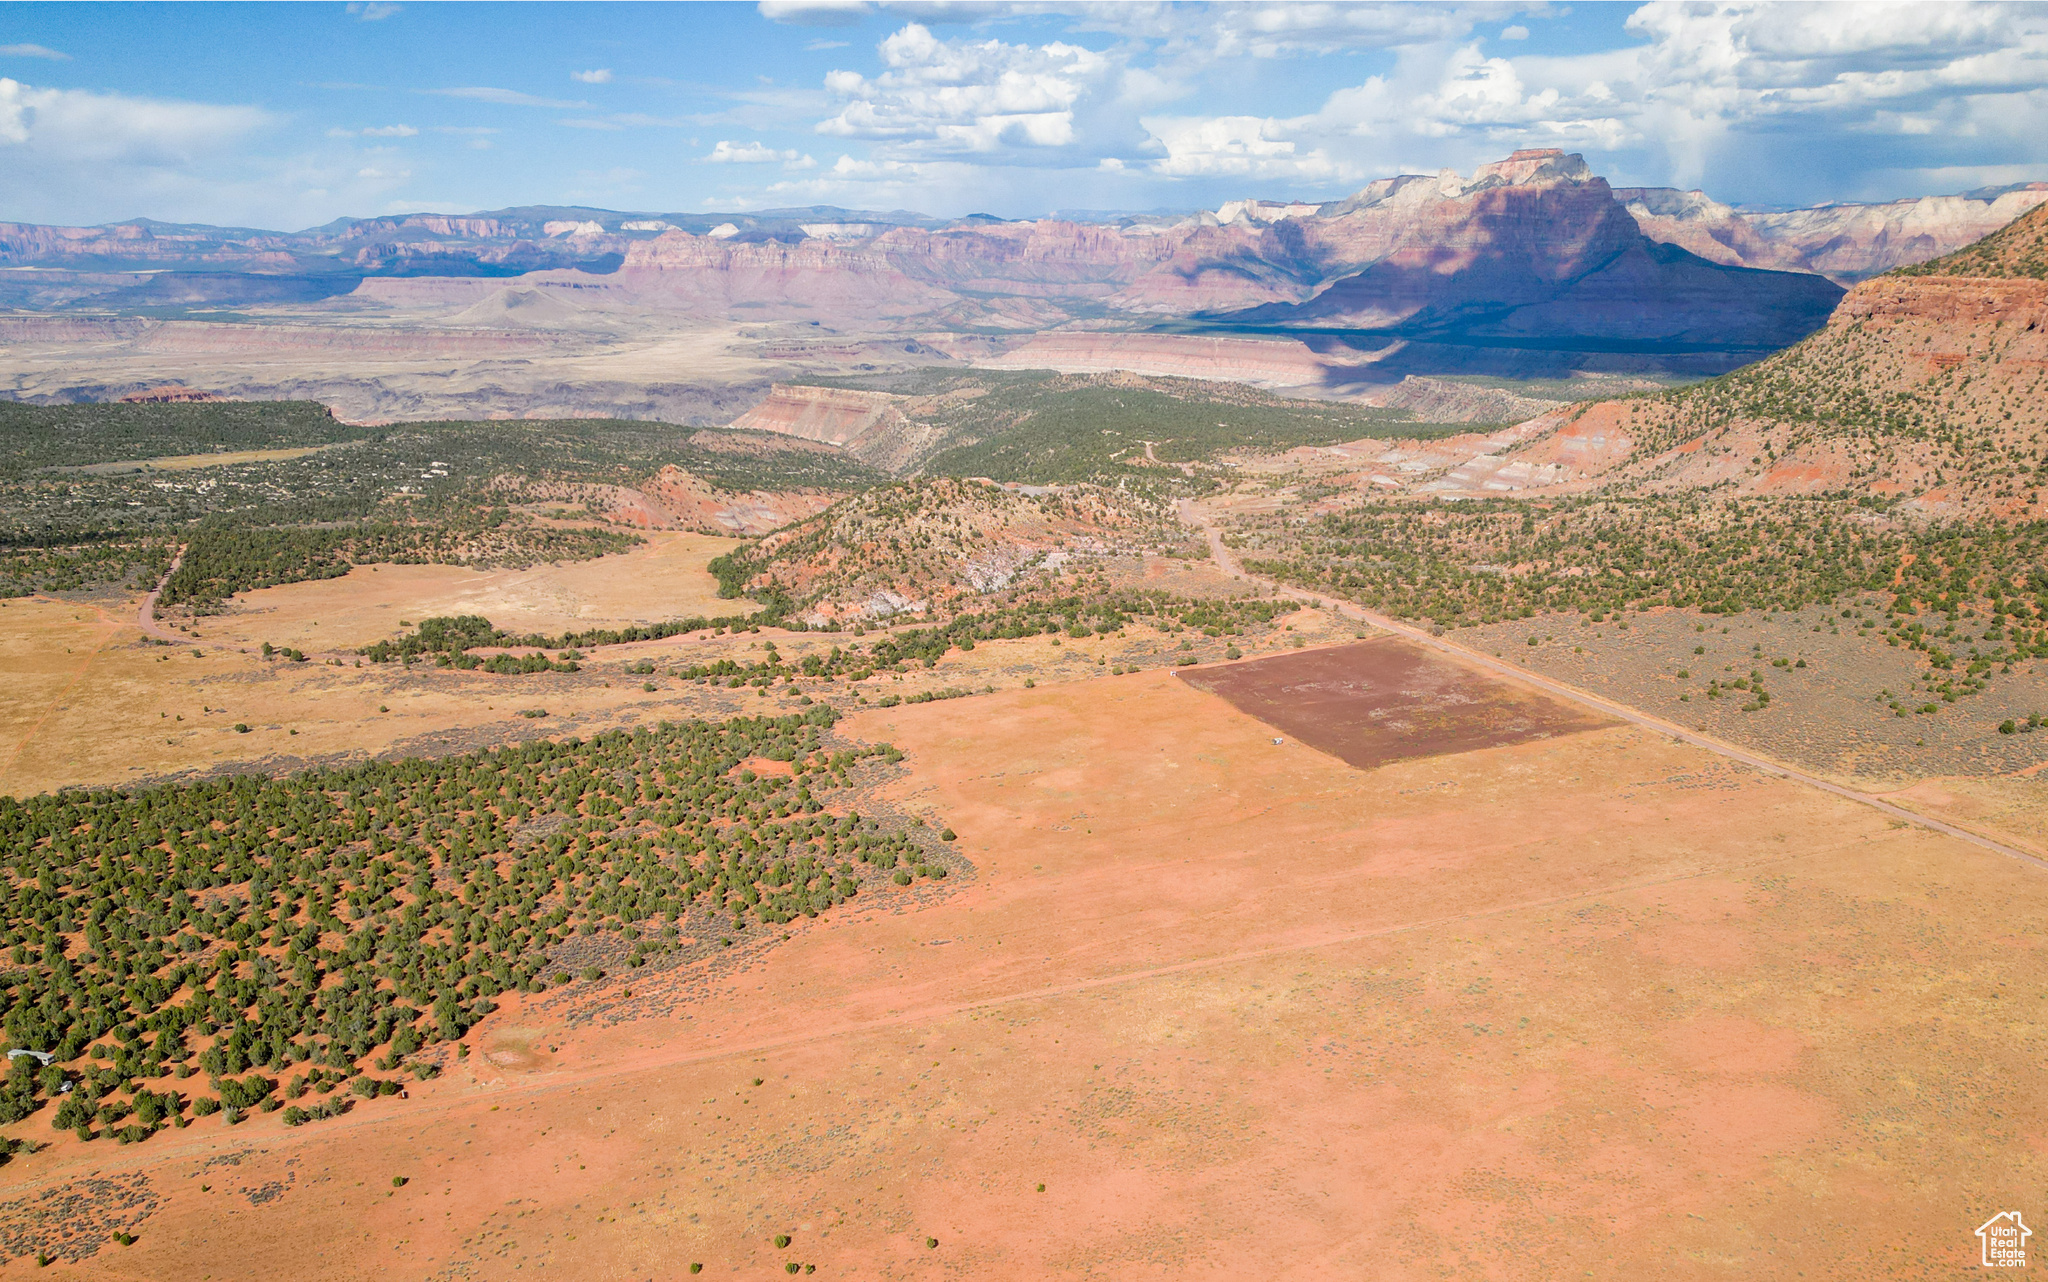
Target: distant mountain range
{"points": [[1846, 242], [1531, 267]]}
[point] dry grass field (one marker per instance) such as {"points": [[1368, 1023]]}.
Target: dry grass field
{"points": [[1596, 1005], [94, 703], [662, 579]]}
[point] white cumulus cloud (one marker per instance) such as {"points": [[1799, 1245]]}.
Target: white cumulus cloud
{"points": [[598, 76], [959, 96], [1762, 101], [1237, 146], [747, 153], [814, 13], [61, 126]]}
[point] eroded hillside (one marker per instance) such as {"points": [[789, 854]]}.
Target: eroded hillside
{"points": [[931, 546], [1929, 386]]}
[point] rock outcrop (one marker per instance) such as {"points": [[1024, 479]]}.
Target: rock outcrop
{"points": [[881, 430], [678, 499], [834, 416]]}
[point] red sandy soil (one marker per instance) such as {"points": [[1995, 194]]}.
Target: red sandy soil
{"points": [[1599, 1005]]}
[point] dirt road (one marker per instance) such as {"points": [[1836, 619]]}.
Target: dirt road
{"points": [[145, 617], [1191, 513]]}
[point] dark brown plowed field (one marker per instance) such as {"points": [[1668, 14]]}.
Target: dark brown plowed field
{"points": [[1387, 700]]}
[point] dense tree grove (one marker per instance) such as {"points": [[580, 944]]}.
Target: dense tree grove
{"points": [[70, 567], [448, 637], [1066, 429], [244, 926], [38, 437]]}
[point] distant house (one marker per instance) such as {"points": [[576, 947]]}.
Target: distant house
{"points": [[2005, 1236]]}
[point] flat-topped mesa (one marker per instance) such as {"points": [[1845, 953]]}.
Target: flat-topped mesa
{"points": [[1533, 165]]}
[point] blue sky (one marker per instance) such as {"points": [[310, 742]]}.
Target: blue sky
{"points": [[287, 115]]}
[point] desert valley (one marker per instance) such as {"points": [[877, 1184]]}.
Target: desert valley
{"points": [[1491, 726]]}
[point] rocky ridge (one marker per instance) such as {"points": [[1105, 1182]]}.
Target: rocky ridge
{"points": [[1529, 268]]}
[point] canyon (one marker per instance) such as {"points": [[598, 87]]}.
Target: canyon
{"points": [[1531, 268]]}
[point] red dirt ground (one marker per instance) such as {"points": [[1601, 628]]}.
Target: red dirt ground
{"points": [[1597, 1005]]}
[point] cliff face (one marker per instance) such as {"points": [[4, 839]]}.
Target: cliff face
{"points": [[1247, 253], [1948, 302], [830, 415], [881, 430], [1846, 243], [1928, 385], [771, 280]]}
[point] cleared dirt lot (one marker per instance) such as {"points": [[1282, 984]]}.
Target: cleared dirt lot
{"points": [[1387, 699], [1593, 1005]]}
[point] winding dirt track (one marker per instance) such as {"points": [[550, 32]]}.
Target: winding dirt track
{"points": [[145, 617], [1228, 563]]}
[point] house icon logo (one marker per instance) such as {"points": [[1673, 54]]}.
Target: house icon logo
{"points": [[2005, 1236]]}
